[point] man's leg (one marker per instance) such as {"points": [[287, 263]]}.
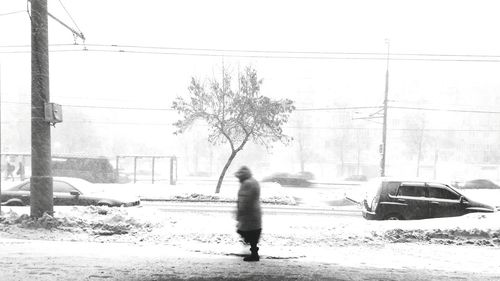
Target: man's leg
{"points": [[253, 239]]}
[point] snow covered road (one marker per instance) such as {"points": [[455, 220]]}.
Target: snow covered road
{"points": [[172, 206]]}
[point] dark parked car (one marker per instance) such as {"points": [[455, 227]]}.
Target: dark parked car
{"points": [[68, 191], [476, 184], [286, 179], [388, 199]]}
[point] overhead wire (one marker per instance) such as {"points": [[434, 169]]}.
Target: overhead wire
{"points": [[297, 109], [12, 13], [268, 51], [445, 109], [100, 122], [99, 107], [71, 17], [170, 109], [261, 54]]}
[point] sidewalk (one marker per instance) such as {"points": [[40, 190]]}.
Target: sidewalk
{"points": [[55, 260]]}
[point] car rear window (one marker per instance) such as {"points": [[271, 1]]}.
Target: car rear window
{"points": [[442, 193]]}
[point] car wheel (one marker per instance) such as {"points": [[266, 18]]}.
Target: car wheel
{"points": [[393, 217]]}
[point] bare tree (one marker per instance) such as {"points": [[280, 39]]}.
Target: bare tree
{"points": [[416, 141], [234, 116], [362, 144], [305, 143], [346, 143]]}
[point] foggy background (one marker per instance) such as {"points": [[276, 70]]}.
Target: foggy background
{"points": [[329, 57]]}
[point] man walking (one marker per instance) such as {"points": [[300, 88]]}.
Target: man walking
{"points": [[20, 171], [248, 213], [9, 171]]}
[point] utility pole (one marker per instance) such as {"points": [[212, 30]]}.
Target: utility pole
{"points": [[41, 189], [384, 126], [0, 130]]}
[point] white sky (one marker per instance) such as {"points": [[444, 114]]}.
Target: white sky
{"points": [[449, 27]]}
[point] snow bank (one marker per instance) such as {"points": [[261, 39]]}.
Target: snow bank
{"points": [[477, 228], [271, 193], [151, 225], [197, 197], [92, 220]]}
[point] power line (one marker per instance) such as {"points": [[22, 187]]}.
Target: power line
{"points": [[100, 122], [272, 54], [283, 57], [336, 108], [29, 46], [12, 13], [445, 110], [404, 102], [123, 108], [99, 107], [67, 12], [51, 51], [170, 109], [289, 52], [297, 109], [264, 51]]}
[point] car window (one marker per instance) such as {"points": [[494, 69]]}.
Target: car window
{"points": [[411, 190], [442, 193], [25, 187], [60, 186]]}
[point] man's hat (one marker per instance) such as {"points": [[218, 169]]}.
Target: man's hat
{"points": [[244, 170]]}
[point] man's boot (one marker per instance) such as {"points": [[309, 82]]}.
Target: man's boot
{"points": [[254, 256]]}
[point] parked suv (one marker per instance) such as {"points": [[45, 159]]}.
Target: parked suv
{"points": [[391, 199]]}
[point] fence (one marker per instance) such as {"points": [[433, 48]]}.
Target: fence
{"points": [[147, 168]]}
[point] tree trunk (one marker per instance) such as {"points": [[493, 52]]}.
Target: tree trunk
{"points": [[418, 165], [301, 155], [419, 156], [342, 162], [435, 163], [224, 170], [358, 164]]}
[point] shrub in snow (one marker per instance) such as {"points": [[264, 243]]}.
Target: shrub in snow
{"points": [[200, 197], [287, 200]]}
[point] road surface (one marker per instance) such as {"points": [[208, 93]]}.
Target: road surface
{"points": [[172, 206]]}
